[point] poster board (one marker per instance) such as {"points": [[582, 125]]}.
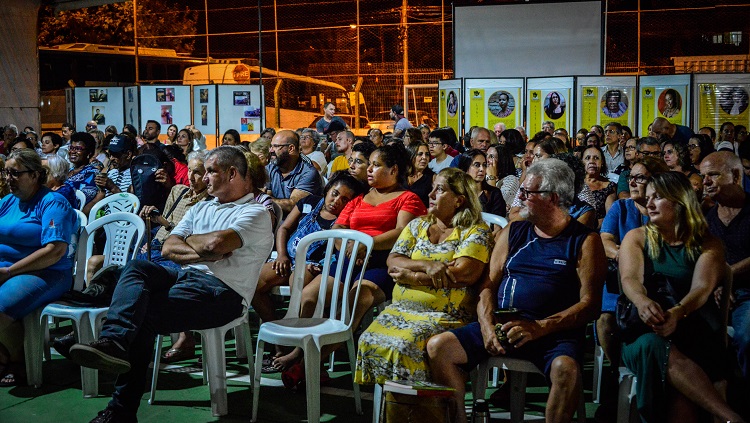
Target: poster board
{"points": [[451, 104], [550, 99], [488, 101], [721, 98], [101, 104], [132, 107], [70, 115], [240, 107], [666, 96], [604, 99], [204, 110], [166, 104]]}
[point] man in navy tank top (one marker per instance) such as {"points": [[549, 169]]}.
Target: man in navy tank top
{"points": [[551, 269]]}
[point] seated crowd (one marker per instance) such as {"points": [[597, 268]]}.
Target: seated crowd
{"points": [[675, 203]]}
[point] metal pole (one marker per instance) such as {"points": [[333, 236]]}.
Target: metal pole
{"points": [[260, 66], [135, 40], [442, 31], [208, 50], [356, 92], [405, 34], [638, 66]]}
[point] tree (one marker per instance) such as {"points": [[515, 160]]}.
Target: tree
{"points": [[112, 24]]}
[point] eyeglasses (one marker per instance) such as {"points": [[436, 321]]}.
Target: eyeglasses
{"points": [[651, 153], [639, 179], [77, 148], [302, 137], [13, 173], [90, 126], [693, 146], [358, 162], [629, 148], [277, 146], [525, 192], [434, 143]]}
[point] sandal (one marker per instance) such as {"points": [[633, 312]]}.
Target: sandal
{"points": [[11, 377], [174, 355], [268, 366]]}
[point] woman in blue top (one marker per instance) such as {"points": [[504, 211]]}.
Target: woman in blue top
{"points": [[36, 225]]}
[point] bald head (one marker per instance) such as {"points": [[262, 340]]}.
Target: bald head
{"points": [[287, 137], [661, 126], [722, 177]]}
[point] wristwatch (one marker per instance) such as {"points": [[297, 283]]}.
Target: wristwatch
{"points": [[169, 227]]}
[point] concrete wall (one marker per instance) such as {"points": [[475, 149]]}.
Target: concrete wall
{"points": [[19, 65]]}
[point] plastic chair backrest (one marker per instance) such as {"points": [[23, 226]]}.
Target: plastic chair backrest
{"points": [[124, 232], [339, 307], [81, 197], [120, 202], [491, 219]]}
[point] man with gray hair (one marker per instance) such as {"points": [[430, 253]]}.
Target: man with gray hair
{"points": [[729, 220], [550, 268], [480, 140], [548, 126], [221, 245]]}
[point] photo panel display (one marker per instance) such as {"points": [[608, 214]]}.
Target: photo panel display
{"points": [[450, 109], [666, 96], [166, 104], [103, 105], [240, 108], [549, 99], [204, 110], [490, 101], [605, 99], [132, 107], [721, 98]]}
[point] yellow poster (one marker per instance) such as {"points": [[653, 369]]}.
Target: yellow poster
{"points": [[443, 113], [476, 107], [553, 108], [647, 108], [719, 103], [502, 107], [589, 107], [613, 105], [707, 106], [535, 111], [670, 104]]}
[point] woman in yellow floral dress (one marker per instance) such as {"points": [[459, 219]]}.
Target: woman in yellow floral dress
{"points": [[434, 263]]}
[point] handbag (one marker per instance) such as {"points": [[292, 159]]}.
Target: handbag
{"points": [[659, 288], [613, 277]]}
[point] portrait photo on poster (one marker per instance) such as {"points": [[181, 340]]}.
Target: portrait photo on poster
{"points": [[161, 95], [131, 98], [670, 103], [169, 94], [97, 96], [452, 103], [554, 105], [204, 95], [614, 103], [241, 98], [166, 115], [204, 115], [501, 103], [97, 115], [733, 100]]}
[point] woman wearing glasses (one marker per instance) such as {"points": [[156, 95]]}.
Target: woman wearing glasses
{"points": [[596, 182], [699, 146], [631, 152], [474, 163], [36, 225]]}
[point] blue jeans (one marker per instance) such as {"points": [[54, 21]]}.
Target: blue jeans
{"points": [[150, 299], [741, 324]]}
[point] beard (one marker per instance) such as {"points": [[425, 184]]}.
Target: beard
{"points": [[524, 213]]}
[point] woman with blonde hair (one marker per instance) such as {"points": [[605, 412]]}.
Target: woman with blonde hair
{"points": [[434, 263], [669, 268]]}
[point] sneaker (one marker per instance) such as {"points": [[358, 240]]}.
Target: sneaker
{"points": [[62, 345], [110, 415], [102, 354]]}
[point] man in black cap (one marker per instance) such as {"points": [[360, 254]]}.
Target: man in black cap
{"points": [[122, 149], [402, 123]]}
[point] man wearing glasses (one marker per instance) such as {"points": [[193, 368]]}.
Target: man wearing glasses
{"points": [[613, 154], [550, 268], [649, 147], [292, 176]]}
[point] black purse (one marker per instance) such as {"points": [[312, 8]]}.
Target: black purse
{"points": [[613, 277], [659, 288]]}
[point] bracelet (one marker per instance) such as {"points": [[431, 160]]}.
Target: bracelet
{"points": [[490, 178], [684, 314]]}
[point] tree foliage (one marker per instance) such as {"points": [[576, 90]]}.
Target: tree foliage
{"points": [[112, 24]]}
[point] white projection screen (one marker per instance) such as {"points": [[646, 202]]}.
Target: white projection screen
{"points": [[517, 40]]}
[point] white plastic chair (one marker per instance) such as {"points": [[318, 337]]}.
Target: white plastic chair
{"points": [[518, 370], [214, 361], [312, 333], [120, 202], [81, 197], [493, 219], [121, 230]]}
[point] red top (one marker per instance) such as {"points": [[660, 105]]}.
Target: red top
{"points": [[375, 220], [181, 173]]}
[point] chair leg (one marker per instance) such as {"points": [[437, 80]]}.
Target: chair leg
{"points": [[312, 380], [32, 344], [215, 365], [89, 377], [256, 378], [155, 375], [517, 395], [598, 368], [626, 397], [377, 400], [353, 366], [479, 380], [581, 400]]}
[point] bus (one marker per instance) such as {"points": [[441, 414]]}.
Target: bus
{"points": [[292, 101]]}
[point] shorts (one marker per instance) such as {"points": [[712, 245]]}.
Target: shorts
{"points": [[376, 272], [540, 352]]}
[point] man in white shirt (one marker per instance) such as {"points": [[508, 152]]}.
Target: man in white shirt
{"points": [[437, 143], [221, 245]]}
